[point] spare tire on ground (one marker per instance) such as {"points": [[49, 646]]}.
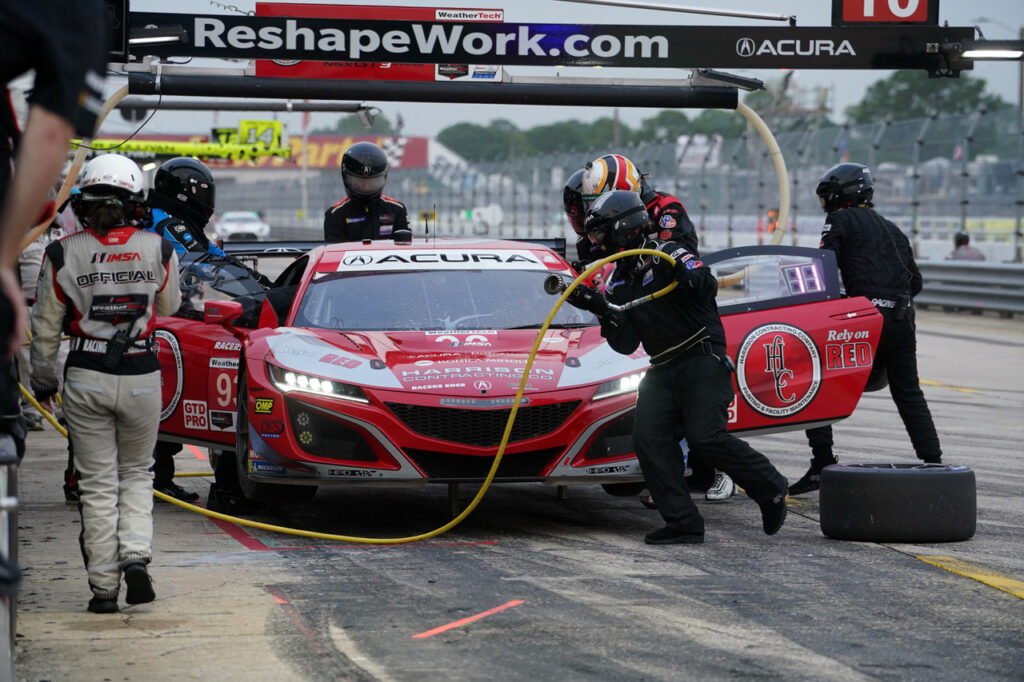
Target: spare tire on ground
{"points": [[898, 502]]}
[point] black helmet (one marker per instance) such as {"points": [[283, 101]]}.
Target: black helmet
{"points": [[364, 170], [617, 220], [572, 200], [961, 239], [847, 184], [184, 187]]}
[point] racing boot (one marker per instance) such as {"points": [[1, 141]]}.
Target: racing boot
{"points": [[722, 489], [773, 513], [140, 585], [811, 481]]}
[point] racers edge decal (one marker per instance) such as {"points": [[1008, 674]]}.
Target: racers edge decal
{"points": [[778, 370], [171, 372]]}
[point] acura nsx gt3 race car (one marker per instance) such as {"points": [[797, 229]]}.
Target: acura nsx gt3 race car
{"points": [[398, 363]]}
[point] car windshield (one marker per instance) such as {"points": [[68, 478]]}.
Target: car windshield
{"points": [[433, 300], [205, 277]]}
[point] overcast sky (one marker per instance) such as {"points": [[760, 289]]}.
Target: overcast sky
{"points": [[996, 18]]}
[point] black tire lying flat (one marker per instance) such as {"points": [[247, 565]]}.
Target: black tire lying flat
{"points": [[898, 502]]}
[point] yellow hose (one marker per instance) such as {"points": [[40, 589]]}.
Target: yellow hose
{"points": [[497, 457]]}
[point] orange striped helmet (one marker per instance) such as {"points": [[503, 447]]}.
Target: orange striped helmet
{"points": [[607, 173]]}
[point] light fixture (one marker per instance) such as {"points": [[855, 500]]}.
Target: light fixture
{"points": [[151, 34], [625, 384], [988, 49], [148, 166], [287, 381]]}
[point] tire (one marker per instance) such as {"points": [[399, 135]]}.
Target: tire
{"points": [[912, 503], [253, 490], [623, 489]]}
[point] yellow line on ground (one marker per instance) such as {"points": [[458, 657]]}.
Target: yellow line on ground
{"points": [[982, 575], [939, 384]]}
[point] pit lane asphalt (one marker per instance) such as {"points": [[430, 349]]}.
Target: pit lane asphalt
{"points": [[583, 597]]}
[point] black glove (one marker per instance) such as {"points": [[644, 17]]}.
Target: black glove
{"points": [[588, 298], [683, 265]]}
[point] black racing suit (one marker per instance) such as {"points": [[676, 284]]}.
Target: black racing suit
{"points": [[876, 261], [354, 220], [688, 388]]}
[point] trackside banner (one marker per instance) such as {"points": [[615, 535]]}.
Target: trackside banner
{"points": [[447, 42]]}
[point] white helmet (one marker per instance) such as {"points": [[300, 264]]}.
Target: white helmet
{"points": [[112, 174]]}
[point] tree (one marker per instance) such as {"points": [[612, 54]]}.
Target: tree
{"points": [[351, 124], [911, 94], [666, 125], [475, 142], [728, 124]]}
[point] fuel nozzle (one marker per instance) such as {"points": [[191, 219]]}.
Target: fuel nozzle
{"points": [[554, 284]]}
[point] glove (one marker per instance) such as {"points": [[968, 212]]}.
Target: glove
{"points": [[44, 385], [588, 298]]}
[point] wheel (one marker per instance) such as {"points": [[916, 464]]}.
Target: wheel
{"points": [[898, 502], [253, 490], [623, 489]]}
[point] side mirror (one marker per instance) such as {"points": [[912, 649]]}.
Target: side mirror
{"points": [[221, 312], [402, 236]]}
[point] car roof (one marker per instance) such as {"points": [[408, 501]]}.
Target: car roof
{"points": [[240, 214]]}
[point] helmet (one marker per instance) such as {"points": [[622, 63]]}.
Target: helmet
{"points": [[111, 176], [607, 173], [185, 185], [961, 239], [617, 220], [847, 184], [364, 170], [572, 200]]}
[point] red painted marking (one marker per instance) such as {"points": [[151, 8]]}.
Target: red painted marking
{"points": [[279, 600], [239, 534], [197, 452], [470, 619]]}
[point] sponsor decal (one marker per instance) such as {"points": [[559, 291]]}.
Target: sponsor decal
{"points": [[228, 346], [667, 222], [195, 414], [453, 70], [115, 257], [470, 340], [732, 412], [352, 473], [475, 372], [271, 428], [691, 264], [883, 303], [486, 72], [171, 372], [449, 259], [118, 308], [469, 15], [778, 370], [223, 363], [620, 469], [847, 355], [333, 359], [748, 47], [264, 406], [482, 385], [222, 421], [266, 468]]}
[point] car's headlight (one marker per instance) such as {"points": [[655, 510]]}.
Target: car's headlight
{"points": [[286, 380], [626, 384]]}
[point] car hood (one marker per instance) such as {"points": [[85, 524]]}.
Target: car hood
{"points": [[469, 363]]}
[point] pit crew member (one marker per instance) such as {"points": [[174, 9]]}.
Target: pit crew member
{"points": [[364, 213], [688, 388], [876, 261], [108, 283], [962, 249]]}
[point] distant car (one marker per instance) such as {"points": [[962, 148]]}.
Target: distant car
{"points": [[242, 225], [387, 363]]}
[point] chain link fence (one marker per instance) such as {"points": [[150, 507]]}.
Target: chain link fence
{"points": [[933, 176]]}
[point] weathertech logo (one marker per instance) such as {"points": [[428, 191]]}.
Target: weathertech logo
{"points": [[469, 15], [778, 370]]}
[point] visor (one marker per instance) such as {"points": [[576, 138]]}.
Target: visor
{"points": [[365, 185]]}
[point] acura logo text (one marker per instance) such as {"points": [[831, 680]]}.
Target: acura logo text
{"points": [[747, 47]]}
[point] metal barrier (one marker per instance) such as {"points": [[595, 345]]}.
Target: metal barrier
{"points": [[973, 286]]}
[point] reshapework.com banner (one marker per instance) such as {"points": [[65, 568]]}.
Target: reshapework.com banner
{"points": [[309, 39]]}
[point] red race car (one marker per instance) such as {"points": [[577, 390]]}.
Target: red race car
{"points": [[385, 363]]}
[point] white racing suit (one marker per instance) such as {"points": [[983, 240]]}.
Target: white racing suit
{"points": [[92, 287]]}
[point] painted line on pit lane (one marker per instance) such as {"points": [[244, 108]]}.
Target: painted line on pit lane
{"points": [[197, 452], [252, 544], [982, 575], [939, 384], [468, 620]]}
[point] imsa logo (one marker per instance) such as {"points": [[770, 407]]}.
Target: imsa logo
{"points": [[778, 370]]}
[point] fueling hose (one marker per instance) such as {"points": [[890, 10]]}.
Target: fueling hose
{"points": [[497, 457]]}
